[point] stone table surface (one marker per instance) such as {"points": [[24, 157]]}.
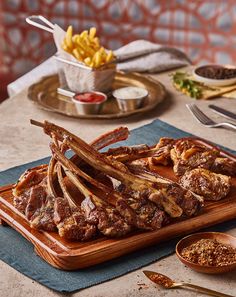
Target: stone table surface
{"points": [[21, 143]]}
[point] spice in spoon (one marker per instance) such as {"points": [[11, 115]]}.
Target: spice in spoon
{"points": [[159, 279]]}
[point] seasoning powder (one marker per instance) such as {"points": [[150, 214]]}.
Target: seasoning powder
{"points": [[209, 252]]}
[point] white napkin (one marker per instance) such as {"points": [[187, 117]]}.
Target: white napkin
{"points": [[139, 56], [145, 56]]}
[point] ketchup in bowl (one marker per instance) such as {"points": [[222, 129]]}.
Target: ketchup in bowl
{"points": [[90, 97], [89, 102]]}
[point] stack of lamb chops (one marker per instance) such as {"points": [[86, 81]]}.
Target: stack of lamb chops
{"points": [[96, 193]]}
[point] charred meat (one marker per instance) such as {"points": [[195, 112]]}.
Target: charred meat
{"points": [[162, 152], [225, 166], [211, 186], [188, 154], [116, 192]]}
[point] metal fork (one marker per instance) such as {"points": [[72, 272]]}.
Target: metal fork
{"points": [[204, 120]]}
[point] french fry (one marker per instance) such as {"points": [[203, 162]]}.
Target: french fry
{"points": [[109, 56], [97, 59], [74, 37], [92, 33], [86, 48], [77, 54], [87, 61], [66, 48], [96, 42], [84, 34], [68, 39]]}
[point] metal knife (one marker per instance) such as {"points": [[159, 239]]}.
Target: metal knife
{"points": [[225, 113]]}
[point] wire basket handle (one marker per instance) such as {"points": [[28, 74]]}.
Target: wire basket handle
{"points": [[31, 20]]}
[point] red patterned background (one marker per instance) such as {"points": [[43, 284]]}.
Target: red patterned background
{"points": [[205, 30]]}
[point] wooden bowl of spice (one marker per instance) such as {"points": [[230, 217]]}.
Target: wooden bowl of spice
{"points": [[208, 252]]}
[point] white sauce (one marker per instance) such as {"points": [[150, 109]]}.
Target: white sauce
{"points": [[130, 93]]}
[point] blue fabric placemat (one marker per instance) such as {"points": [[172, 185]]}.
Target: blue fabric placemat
{"points": [[19, 253]]}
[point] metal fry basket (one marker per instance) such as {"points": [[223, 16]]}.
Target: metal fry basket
{"points": [[80, 78], [73, 74]]}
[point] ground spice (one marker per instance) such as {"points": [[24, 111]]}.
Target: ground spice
{"points": [[161, 280], [216, 72], [209, 252]]}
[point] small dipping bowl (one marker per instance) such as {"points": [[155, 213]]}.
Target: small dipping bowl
{"points": [[218, 236], [130, 98], [89, 102], [200, 74]]}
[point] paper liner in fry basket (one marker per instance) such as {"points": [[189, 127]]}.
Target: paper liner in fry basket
{"points": [[77, 76]]}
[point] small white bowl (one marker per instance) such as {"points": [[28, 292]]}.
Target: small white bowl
{"points": [[211, 81], [130, 98], [89, 107]]}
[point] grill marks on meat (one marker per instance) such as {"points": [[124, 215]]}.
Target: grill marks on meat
{"points": [[210, 185], [109, 195], [143, 200], [21, 190], [71, 222], [143, 154], [188, 154], [100, 162], [40, 209], [69, 217], [108, 220], [190, 202], [147, 211], [162, 154], [224, 166]]}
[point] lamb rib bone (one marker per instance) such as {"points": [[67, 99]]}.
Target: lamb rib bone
{"points": [[109, 221], [117, 200], [66, 194], [99, 162], [99, 143], [96, 160], [158, 154], [191, 203], [70, 219], [73, 225]]}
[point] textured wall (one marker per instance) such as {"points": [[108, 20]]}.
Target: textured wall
{"points": [[204, 29]]}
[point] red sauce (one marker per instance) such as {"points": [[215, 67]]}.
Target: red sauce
{"points": [[89, 97]]}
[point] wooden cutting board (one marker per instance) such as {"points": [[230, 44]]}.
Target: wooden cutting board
{"points": [[73, 255]]}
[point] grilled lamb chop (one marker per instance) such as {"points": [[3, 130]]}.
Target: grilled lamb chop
{"points": [[145, 209], [190, 202], [100, 162], [21, 190], [162, 154], [224, 166], [137, 185], [203, 182], [68, 215], [40, 208], [71, 222], [97, 212], [37, 202], [131, 215], [188, 154], [82, 222]]}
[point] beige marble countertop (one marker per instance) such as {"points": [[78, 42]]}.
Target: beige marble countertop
{"points": [[21, 143]]}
